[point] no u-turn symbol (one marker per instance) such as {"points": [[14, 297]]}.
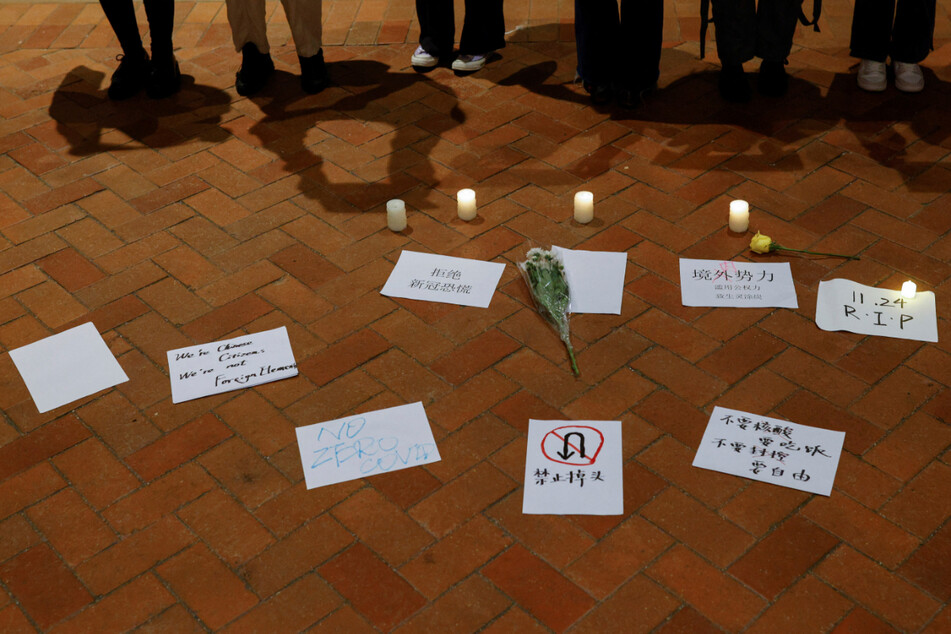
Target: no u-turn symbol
{"points": [[577, 445]]}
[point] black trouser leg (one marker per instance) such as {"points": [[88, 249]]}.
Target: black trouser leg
{"points": [[161, 15], [912, 38], [642, 38], [597, 31], [437, 26], [735, 25], [483, 28], [775, 26], [121, 16], [872, 29]]}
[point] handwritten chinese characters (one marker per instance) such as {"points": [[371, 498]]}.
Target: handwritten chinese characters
{"points": [[573, 468], [444, 279], [228, 365], [736, 284], [847, 305], [366, 444], [770, 450]]}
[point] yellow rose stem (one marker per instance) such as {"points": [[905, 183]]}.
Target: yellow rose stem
{"points": [[774, 247]]}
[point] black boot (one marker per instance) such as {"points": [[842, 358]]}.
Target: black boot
{"points": [[772, 80], [130, 77], [733, 84], [313, 73], [600, 95], [165, 78], [256, 68]]}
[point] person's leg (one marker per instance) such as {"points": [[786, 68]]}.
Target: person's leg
{"points": [[775, 26], [735, 25], [872, 29], [249, 31], [597, 29], [437, 26], [129, 78], [165, 78], [121, 16], [912, 40], [483, 28], [642, 36], [913, 35], [303, 16]]}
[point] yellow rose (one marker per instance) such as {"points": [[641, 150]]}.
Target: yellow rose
{"points": [[761, 243]]}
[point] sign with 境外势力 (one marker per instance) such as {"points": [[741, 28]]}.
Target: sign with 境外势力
{"points": [[867, 310], [770, 450], [232, 364], [737, 284]]}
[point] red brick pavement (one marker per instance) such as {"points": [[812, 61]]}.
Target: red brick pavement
{"points": [[208, 215]]}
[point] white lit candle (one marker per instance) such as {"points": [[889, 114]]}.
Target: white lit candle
{"points": [[396, 214], [908, 290], [584, 207], [739, 216], [466, 201]]}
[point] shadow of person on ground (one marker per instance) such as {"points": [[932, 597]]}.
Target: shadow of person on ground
{"points": [[808, 111], [92, 123], [364, 94]]}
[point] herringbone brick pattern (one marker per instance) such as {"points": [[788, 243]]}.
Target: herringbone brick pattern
{"points": [[207, 215]]}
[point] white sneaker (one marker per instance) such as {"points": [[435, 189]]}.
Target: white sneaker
{"points": [[423, 59], [908, 77], [871, 75], [469, 62]]}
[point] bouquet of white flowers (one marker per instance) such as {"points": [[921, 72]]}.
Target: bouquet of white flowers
{"points": [[545, 275]]}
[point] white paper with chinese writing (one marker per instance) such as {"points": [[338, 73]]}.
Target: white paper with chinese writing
{"points": [[847, 305], [366, 444], [222, 366], [573, 468], [444, 279], [736, 284], [770, 450], [595, 279], [67, 366]]}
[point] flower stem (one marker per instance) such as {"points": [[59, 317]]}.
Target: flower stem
{"points": [[835, 255], [571, 356]]}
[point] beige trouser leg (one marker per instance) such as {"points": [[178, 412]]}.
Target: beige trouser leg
{"points": [[303, 16], [248, 23]]}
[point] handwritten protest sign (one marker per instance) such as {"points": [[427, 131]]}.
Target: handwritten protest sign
{"points": [[234, 364], [770, 450], [736, 284], [573, 468], [67, 366], [366, 444], [443, 279], [847, 305], [595, 279]]}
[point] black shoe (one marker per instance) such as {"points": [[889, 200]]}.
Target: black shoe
{"points": [[733, 84], [633, 98], [165, 78], [772, 80], [600, 95], [313, 73], [256, 68], [130, 77]]}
